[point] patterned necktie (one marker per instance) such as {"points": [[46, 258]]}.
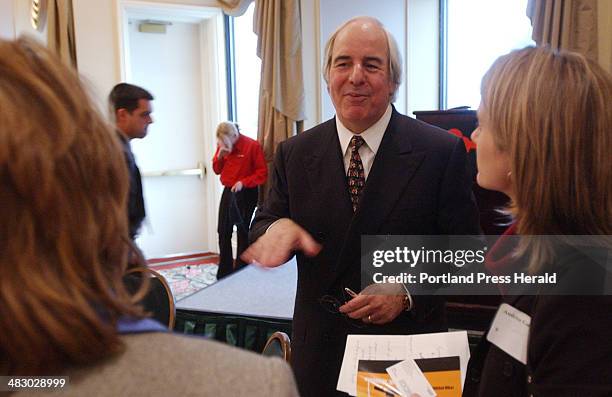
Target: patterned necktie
{"points": [[355, 175]]}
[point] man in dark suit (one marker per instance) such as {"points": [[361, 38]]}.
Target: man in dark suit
{"points": [[131, 108], [368, 171]]}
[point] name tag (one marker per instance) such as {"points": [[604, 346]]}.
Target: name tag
{"points": [[510, 331]]}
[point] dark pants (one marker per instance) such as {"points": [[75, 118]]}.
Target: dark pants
{"points": [[234, 209]]}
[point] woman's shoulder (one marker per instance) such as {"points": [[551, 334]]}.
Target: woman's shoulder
{"points": [[163, 364], [169, 345], [206, 364]]}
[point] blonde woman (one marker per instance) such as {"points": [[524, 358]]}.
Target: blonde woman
{"points": [[64, 243], [544, 139]]}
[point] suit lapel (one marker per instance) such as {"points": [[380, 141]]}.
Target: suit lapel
{"points": [[393, 168], [325, 171]]}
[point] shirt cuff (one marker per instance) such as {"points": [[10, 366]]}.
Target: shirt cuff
{"points": [[274, 223], [410, 302]]}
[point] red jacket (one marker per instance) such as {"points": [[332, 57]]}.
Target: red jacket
{"points": [[245, 163]]}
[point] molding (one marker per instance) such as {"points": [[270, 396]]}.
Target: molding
{"points": [[214, 110], [122, 39], [160, 10], [12, 8]]}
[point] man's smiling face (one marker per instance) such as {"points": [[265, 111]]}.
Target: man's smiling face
{"points": [[359, 80]]}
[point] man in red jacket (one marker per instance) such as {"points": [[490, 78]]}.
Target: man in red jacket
{"points": [[240, 161]]}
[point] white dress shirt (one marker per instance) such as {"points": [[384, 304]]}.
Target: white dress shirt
{"points": [[372, 137]]}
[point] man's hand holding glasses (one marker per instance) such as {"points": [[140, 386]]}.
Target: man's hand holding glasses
{"points": [[376, 304]]}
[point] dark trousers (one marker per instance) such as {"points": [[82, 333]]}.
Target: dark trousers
{"points": [[234, 209]]}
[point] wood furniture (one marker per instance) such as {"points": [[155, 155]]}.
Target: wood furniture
{"points": [[159, 300], [278, 345]]}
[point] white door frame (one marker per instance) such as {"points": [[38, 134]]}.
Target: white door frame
{"points": [[214, 93]]}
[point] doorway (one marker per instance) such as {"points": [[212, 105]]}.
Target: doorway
{"points": [[177, 53]]}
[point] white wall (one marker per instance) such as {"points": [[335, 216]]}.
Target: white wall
{"points": [[15, 21], [391, 13], [311, 61], [97, 43], [422, 52], [7, 24]]}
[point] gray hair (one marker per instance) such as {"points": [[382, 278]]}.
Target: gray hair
{"points": [[395, 59], [226, 128]]}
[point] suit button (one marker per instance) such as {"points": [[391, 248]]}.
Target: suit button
{"points": [[528, 378], [320, 236], [475, 377], [508, 369]]}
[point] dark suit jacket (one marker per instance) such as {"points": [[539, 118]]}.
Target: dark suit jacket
{"points": [[569, 352], [136, 208], [418, 184]]}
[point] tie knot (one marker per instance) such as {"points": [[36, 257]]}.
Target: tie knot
{"points": [[356, 142]]}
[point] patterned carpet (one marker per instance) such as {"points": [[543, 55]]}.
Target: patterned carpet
{"points": [[187, 274]]}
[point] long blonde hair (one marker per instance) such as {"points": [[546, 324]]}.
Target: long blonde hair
{"points": [[551, 112], [64, 225]]}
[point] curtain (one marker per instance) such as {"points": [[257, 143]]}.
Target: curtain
{"points": [[565, 24], [604, 20], [281, 92], [234, 8], [60, 30]]}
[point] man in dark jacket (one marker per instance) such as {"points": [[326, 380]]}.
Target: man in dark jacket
{"points": [[131, 108], [368, 171]]}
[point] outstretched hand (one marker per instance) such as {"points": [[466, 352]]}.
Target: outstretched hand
{"points": [[276, 246]]}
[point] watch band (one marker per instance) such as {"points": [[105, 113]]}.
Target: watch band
{"points": [[406, 302]]}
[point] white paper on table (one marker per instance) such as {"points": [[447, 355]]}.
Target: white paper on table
{"points": [[400, 347]]}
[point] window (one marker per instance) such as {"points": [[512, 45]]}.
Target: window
{"points": [[477, 33], [244, 72]]}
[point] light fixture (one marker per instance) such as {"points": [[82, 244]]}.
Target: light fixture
{"points": [[153, 26]]}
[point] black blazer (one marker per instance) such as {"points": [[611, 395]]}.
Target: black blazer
{"points": [[419, 183], [135, 206], [569, 351]]}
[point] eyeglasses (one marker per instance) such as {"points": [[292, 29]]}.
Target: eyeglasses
{"points": [[332, 305]]}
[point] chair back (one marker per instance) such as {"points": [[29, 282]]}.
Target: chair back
{"points": [[278, 345], [159, 300]]}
